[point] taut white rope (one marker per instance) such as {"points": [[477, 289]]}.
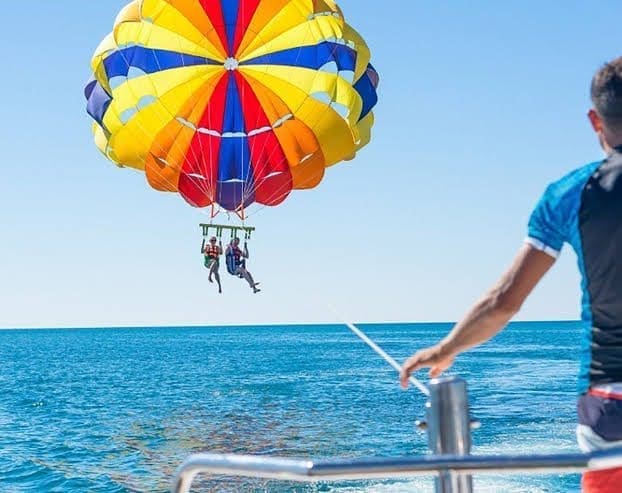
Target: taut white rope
{"points": [[361, 335]]}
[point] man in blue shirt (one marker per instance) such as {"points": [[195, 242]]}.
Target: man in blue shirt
{"points": [[584, 209]]}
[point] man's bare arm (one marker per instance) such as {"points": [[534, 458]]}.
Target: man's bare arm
{"points": [[488, 316]]}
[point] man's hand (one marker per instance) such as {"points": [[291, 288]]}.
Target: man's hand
{"points": [[488, 316], [437, 358]]}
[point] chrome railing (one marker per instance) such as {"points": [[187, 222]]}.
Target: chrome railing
{"points": [[339, 470], [449, 435]]}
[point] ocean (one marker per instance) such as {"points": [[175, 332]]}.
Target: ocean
{"points": [[117, 410]]}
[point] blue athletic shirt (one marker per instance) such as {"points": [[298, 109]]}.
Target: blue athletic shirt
{"points": [[584, 209]]}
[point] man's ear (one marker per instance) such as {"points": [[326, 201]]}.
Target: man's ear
{"points": [[595, 120]]}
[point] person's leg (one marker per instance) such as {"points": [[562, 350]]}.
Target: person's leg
{"points": [[600, 428], [249, 279], [207, 265], [217, 276], [252, 283], [211, 265], [212, 269]]}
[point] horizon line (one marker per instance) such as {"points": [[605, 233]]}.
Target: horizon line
{"points": [[259, 325]]}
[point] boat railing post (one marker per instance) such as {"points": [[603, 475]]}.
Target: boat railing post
{"points": [[449, 429]]}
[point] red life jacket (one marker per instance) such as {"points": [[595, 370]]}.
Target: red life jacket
{"points": [[212, 251]]}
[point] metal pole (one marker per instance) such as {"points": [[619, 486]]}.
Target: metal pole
{"points": [[449, 429]]}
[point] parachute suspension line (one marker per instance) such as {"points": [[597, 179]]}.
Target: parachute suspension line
{"points": [[174, 142], [361, 335], [246, 187], [282, 188], [207, 186], [204, 185], [241, 201], [214, 211], [201, 211], [241, 212]]}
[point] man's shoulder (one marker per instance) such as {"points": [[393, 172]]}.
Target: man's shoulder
{"points": [[559, 205], [572, 183]]}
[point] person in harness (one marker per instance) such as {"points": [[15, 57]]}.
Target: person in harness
{"points": [[584, 210], [212, 253], [236, 263]]}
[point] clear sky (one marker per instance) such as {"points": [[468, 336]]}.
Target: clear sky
{"points": [[482, 103]]}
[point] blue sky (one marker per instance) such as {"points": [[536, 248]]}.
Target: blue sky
{"points": [[481, 105]]}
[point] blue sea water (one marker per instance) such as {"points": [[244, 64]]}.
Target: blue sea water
{"points": [[115, 410]]}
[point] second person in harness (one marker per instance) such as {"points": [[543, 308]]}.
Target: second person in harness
{"points": [[236, 263]]}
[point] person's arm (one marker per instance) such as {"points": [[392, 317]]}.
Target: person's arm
{"points": [[488, 316], [245, 252], [220, 250]]}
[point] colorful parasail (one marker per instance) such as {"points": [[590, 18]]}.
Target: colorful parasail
{"points": [[232, 102]]}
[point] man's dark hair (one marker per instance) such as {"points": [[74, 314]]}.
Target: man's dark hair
{"points": [[606, 94]]}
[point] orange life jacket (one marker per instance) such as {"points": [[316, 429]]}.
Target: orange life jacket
{"points": [[212, 251]]}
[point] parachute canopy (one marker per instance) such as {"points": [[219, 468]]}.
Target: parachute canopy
{"points": [[231, 102]]}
